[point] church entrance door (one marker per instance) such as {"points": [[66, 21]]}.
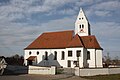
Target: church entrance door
{"points": [[29, 62], [69, 63]]}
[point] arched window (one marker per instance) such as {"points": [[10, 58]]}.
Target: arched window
{"points": [[82, 26], [37, 53], [46, 55], [55, 55], [30, 53], [88, 55]]}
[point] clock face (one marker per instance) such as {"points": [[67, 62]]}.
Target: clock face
{"points": [[81, 30]]}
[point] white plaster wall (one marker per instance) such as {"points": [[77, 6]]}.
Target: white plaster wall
{"points": [[81, 21], [85, 57], [93, 72], [64, 63], [98, 71], [91, 62], [74, 58], [41, 70], [95, 58], [99, 58], [33, 53], [77, 28], [51, 61], [61, 62]]}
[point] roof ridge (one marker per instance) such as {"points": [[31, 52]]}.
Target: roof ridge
{"points": [[59, 31]]}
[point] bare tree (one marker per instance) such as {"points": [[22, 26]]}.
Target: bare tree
{"points": [[107, 60], [116, 60]]}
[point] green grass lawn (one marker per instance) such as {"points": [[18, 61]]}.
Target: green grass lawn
{"points": [[105, 77]]}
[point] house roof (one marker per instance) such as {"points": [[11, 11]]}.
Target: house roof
{"points": [[75, 42], [1, 58], [52, 40], [63, 39], [90, 42], [31, 58]]}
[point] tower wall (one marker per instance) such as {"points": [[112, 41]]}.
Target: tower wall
{"points": [[82, 26]]}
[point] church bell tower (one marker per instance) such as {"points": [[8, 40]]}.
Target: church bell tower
{"points": [[82, 26]]}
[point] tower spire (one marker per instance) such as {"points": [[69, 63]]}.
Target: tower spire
{"points": [[82, 26]]}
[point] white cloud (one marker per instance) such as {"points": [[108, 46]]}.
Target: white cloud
{"points": [[63, 12], [81, 3], [59, 24], [17, 34], [17, 9], [108, 5], [107, 30], [49, 5], [104, 8], [102, 13]]}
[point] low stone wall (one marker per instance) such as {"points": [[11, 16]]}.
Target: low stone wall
{"points": [[96, 71], [41, 70]]}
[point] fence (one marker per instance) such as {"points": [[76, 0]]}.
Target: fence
{"points": [[98, 71]]}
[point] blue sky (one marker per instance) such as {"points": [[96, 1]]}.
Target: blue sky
{"points": [[22, 21]]}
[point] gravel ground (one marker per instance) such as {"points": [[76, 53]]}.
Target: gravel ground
{"points": [[40, 77]]}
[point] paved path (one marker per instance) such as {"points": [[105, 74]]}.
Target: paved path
{"points": [[74, 78], [40, 77]]}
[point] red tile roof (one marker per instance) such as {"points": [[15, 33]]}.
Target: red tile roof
{"points": [[75, 42], [31, 58], [63, 39], [90, 42], [52, 40]]}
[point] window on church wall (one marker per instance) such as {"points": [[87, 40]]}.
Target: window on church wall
{"points": [[37, 52], [78, 53], [30, 53], [46, 55], [55, 55], [82, 26], [63, 55], [88, 55], [69, 53]]}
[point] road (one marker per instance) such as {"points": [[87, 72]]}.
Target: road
{"points": [[39, 77]]}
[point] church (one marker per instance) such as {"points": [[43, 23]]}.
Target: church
{"points": [[67, 49]]}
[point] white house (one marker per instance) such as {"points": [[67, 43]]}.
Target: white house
{"points": [[66, 48], [3, 65]]}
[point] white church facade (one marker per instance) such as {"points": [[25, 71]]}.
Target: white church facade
{"points": [[66, 48]]}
